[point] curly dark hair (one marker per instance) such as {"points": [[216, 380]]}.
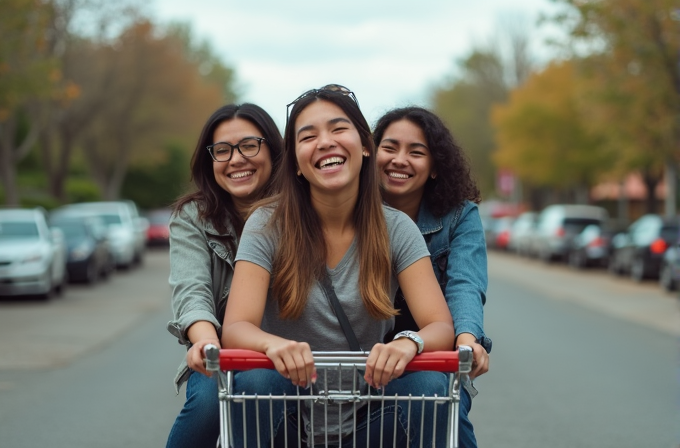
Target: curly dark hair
{"points": [[454, 183], [214, 204]]}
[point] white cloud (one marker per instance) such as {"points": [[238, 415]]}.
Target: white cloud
{"points": [[389, 52]]}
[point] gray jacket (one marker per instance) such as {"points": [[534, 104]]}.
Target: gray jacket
{"points": [[201, 270]]}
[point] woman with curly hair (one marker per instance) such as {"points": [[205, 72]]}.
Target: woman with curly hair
{"points": [[426, 175]]}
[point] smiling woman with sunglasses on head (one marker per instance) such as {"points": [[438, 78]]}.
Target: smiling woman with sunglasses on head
{"points": [[328, 221], [237, 153], [425, 174]]}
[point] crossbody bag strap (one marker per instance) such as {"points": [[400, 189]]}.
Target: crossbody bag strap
{"points": [[327, 287]]}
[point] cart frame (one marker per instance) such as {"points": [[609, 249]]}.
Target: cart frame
{"points": [[223, 363]]}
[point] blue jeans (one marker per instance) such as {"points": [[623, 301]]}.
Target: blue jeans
{"points": [[466, 432], [429, 383], [265, 382], [198, 423]]}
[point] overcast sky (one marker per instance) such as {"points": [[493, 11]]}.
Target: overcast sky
{"points": [[389, 52]]}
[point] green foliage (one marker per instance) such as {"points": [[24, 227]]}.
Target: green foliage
{"points": [[465, 106], [631, 79], [542, 136], [158, 184], [204, 57], [27, 70], [82, 189]]}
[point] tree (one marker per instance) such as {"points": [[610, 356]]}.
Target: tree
{"points": [[630, 64], [28, 76], [542, 137], [156, 96], [465, 106], [76, 30], [484, 79]]}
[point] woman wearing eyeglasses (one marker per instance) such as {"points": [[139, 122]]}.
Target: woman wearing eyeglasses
{"points": [[328, 218], [237, 152], [425, 174]]}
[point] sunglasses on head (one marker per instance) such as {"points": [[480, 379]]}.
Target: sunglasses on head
{"points": [[330, 88]]}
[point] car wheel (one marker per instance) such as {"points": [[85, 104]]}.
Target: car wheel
{"points": [[91, 273], [59, 289], [666, 279], [575, 260], [637, 270], [50, 289], [613, 267]]}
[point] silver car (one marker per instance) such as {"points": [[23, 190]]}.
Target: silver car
{"points": [[32, 256], [126, 229], [558, 224]]}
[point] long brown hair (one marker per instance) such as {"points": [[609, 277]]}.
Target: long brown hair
{"points": [[214, 204], [301, 254]]}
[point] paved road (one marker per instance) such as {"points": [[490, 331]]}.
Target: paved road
{"points": [[580, 359], [93, 368]]}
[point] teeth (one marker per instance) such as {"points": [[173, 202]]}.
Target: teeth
{"points": [[331, 161], [398, 175], [241, 174]]}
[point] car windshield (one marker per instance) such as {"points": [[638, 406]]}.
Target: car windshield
{"points": [[111, 219], [576, 225], [18, 229], [669, 233], [72, 229]]}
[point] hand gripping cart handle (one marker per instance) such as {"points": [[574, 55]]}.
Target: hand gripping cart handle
{"points": [[457, 364]]}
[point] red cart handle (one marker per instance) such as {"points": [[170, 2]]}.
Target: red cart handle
{"points": [[442, 361]]}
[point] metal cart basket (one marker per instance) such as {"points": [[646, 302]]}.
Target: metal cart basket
{"points": [[339, 391]]}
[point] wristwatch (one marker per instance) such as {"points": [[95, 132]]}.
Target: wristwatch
{"points": [[412, 335]]}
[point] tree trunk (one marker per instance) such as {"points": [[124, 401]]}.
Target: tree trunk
{"points": [[8, 175], [622, 204], [7, 166], [651, 182], [670, 179]]}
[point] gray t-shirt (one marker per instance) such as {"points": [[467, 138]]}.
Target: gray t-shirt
{"points": [[318, 325]]}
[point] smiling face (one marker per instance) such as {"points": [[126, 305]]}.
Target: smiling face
{"points": [[328, 148], [404, 161], [242, 178]]}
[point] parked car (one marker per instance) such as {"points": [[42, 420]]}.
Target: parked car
{"points": [[639, 250], [158, 233], [669, 273], [89, 253], [32, 256], [126, 229], [592, 247], [498, 235], [521, 233], [558, 224]]}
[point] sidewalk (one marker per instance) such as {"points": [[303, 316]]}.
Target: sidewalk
{"points": [[645, 303]]}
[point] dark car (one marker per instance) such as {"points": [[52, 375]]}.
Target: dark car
{"points": [[158, 232], [639, 250], [669, 274], [89, 257], [592, 247]]}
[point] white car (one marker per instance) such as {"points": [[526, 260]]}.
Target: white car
{"points": [[32, 256], [557, 224], [126, 229]]}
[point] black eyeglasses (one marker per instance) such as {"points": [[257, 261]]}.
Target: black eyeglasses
{"points": [[223, 151], [330, 88]]}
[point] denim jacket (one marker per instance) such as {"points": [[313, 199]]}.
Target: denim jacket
{"points": [[458, 254], [201, 270]]}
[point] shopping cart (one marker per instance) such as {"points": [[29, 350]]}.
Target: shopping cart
{"points": [[339, 390]]}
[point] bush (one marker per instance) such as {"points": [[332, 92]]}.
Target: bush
{"points": [[82, 190]]}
